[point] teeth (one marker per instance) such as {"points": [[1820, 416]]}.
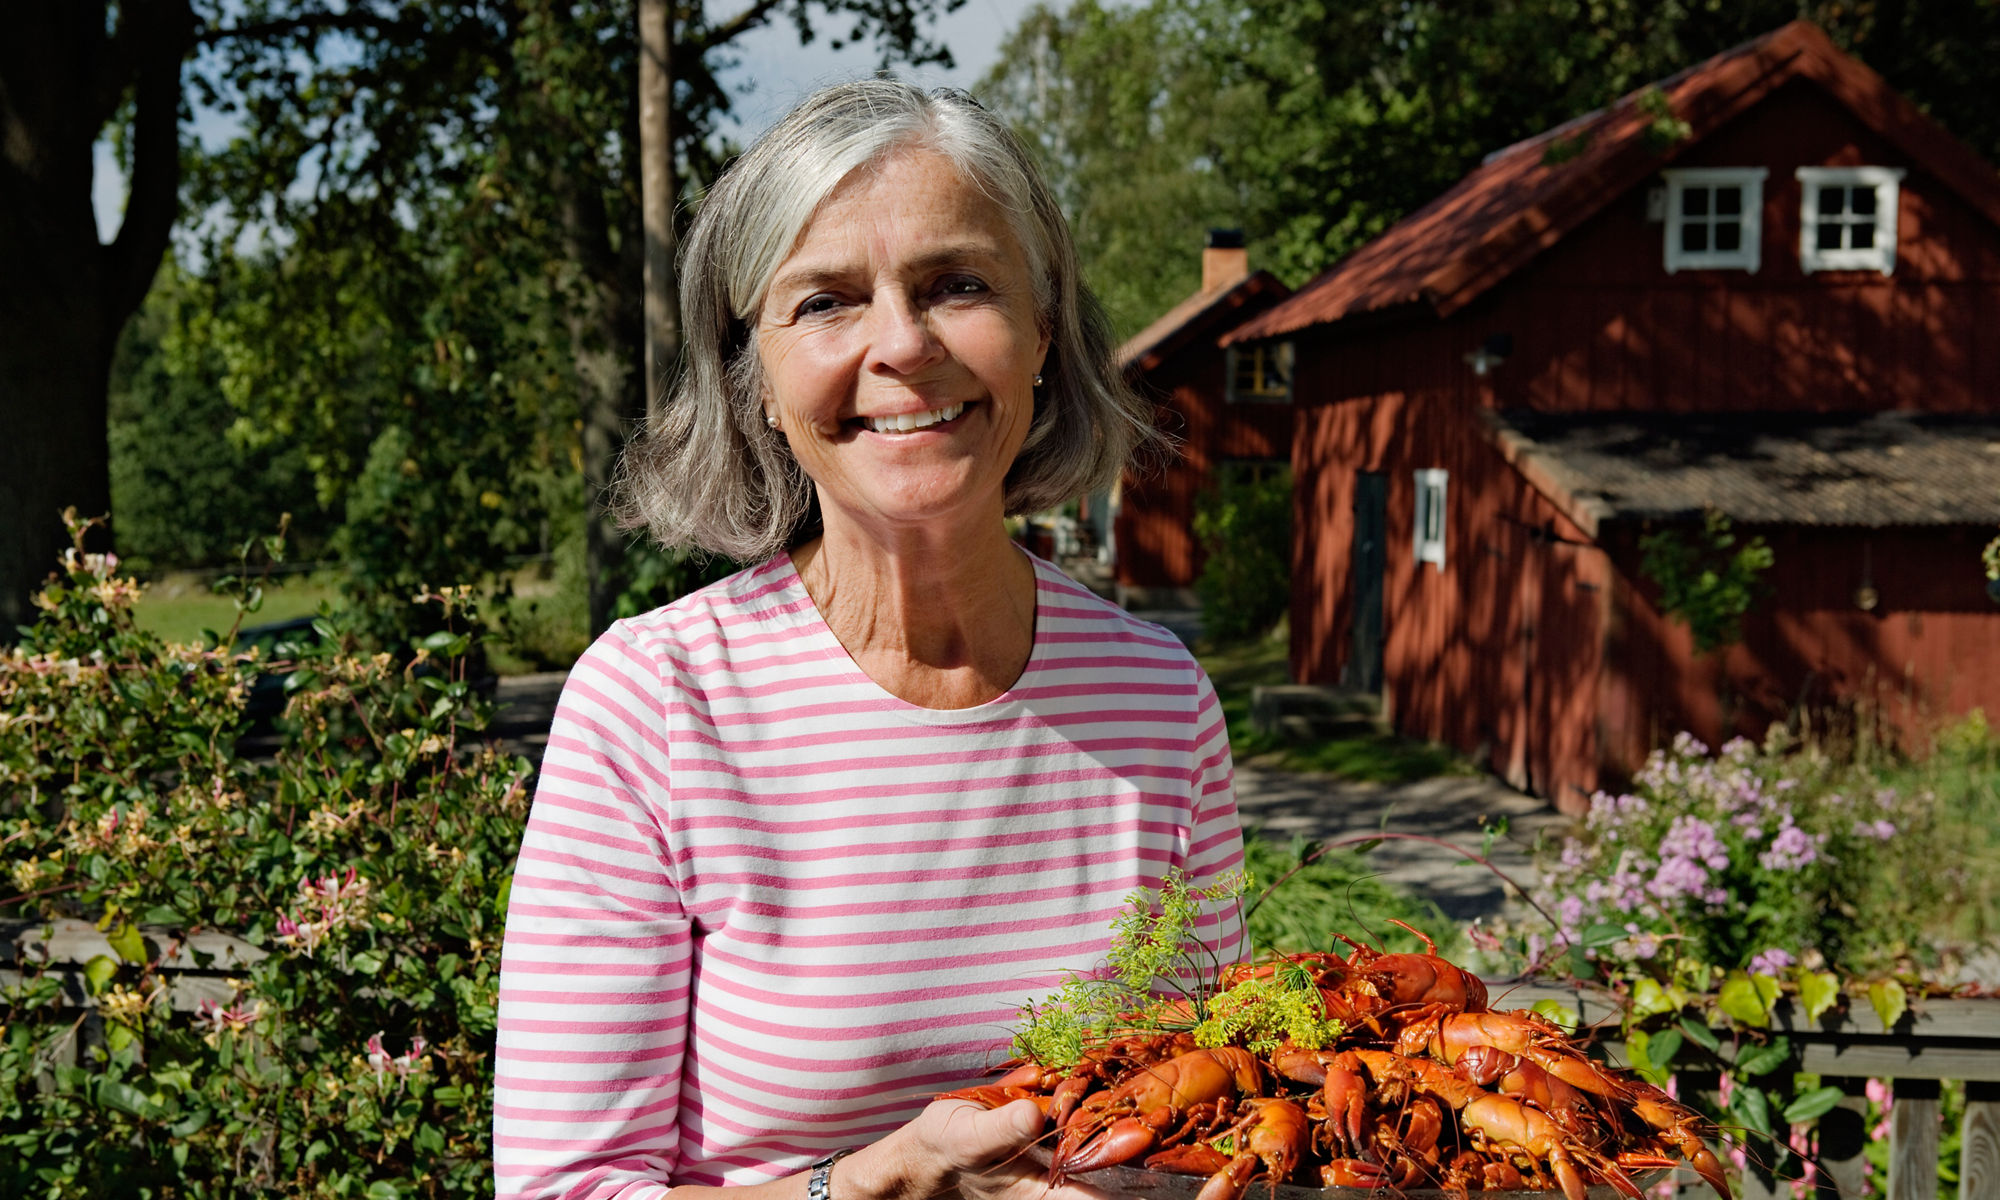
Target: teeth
{"points": [[905, 422]]}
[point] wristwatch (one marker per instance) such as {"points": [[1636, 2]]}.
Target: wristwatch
{"points": [[820, 1186]]}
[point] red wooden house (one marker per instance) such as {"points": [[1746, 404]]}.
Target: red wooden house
{"points": [[1224, 409], [1782, 310]]}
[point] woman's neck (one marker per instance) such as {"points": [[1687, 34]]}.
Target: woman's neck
{"points": [[938, 622]]}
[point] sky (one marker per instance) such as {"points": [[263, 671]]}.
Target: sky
{"points": [[774, 73]]}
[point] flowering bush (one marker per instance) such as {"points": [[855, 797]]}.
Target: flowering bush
{"points": [[363, 860], [1749, 859]]}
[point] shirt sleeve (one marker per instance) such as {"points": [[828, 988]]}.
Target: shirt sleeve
{"points": [[595, 967], [1215, 837]]}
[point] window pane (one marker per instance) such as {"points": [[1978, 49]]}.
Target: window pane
{"points": [[1828, 237], [1728, 236], [1864, 201], [1694, 202], [1728, 201], [1863, 237], [1832, 200], [1694, 238]]}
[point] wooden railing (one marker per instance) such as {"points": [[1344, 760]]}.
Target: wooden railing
{"points": [[1937, 1040]]}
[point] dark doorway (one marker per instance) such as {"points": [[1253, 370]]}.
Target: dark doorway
{"points": [[1363, 671]]}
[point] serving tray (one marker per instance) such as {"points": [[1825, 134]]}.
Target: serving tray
{"points": [[1160, 1185]]}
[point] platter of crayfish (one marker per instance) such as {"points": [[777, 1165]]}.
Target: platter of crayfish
{"points": [[1373, 1073]]}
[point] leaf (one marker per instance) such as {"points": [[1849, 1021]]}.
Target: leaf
{"points": [[382, 1189], [1602, 935], [119, 1037], [1889, 1000], [98, 972], [1751, 1108], [1649, 999], [369, 962], [116, 1093], [1555, 1010], [1700, 1034], [1768, 989], [1813, 1105], [1666, 1044], [1743, 1001], [127, 944], [429, 1139], [191, 1124], [1762, 1060], [1817, 992], [500, 895]]}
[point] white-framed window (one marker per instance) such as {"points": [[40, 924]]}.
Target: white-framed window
{"points": [[1259, 373], [1430, 515], [1714, 218], [1847, 218]]}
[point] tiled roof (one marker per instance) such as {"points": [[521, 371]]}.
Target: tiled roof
{"points": [[1517, 203], [1865, 469], [1150, 346]]}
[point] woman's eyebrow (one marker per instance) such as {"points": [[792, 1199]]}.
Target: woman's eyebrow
{"points": [[815, 276]]}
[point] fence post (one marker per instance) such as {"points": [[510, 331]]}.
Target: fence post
{"points": [[1843, 1134], [1979, 1150], [1913, 1140]]}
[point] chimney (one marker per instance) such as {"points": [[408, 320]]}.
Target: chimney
{"points": [[1224, 261]]}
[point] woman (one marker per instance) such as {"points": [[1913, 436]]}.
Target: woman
{"points": [[807, 839]]}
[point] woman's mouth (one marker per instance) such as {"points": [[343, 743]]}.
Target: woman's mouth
{"points": [[910, 422]]}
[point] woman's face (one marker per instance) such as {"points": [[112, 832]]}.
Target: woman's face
{"points": [[900, 342]]}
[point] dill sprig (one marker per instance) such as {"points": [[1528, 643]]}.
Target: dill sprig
{"points": [[1162, 976]]}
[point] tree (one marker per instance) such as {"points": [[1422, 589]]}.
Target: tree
{"points": [[1314, 126], [360, 124]]}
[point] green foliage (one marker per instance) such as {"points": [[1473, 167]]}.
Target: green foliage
{"points": [[1265, 1010], [1245, 529], [182, 487], [1318, 893], [1706, 580], [1728, 885], [364, 858]]}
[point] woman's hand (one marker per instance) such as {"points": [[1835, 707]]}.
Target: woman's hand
{"points": [[956, 1147]]}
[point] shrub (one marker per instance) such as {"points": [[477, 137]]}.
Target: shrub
{"points": [[367, 856], [1749, 859], [1245, 530]]}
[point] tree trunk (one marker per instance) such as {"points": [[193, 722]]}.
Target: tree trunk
{"points": [[658, 193], [64, 296]]}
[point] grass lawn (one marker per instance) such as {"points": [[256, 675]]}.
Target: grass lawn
{"points": [[1238, 667], [180, 607]]}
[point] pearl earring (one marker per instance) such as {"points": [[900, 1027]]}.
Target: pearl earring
{"points": [[770, 420], [1038, 380]]}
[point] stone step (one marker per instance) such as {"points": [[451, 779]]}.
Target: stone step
{"points": [[1301, 712]]}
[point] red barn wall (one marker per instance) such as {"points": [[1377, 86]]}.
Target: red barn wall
{"points": [[1598, 324], [1155, 525], [1922, 657], [1498, 652]]}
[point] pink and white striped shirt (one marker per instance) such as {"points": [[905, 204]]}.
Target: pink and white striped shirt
{"points": [[764, 909]]}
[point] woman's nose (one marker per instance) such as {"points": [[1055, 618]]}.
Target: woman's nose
{"points": [[900, 335]]}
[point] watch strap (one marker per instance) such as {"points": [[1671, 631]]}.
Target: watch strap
{"points": [[820, 1185]]}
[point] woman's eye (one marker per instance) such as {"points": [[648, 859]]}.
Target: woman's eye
{"points": [[961, 285], [816, 304]]}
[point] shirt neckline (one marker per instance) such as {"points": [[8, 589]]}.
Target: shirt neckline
{"points": [[1004, 704]]}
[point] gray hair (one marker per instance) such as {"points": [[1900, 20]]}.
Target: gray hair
{"points": [[708, 473]]}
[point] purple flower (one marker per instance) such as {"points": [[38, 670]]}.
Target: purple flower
{"points": [[1792, 849], [1693, 838], [1877, 830], [1679, 877], [1771, 961]]}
